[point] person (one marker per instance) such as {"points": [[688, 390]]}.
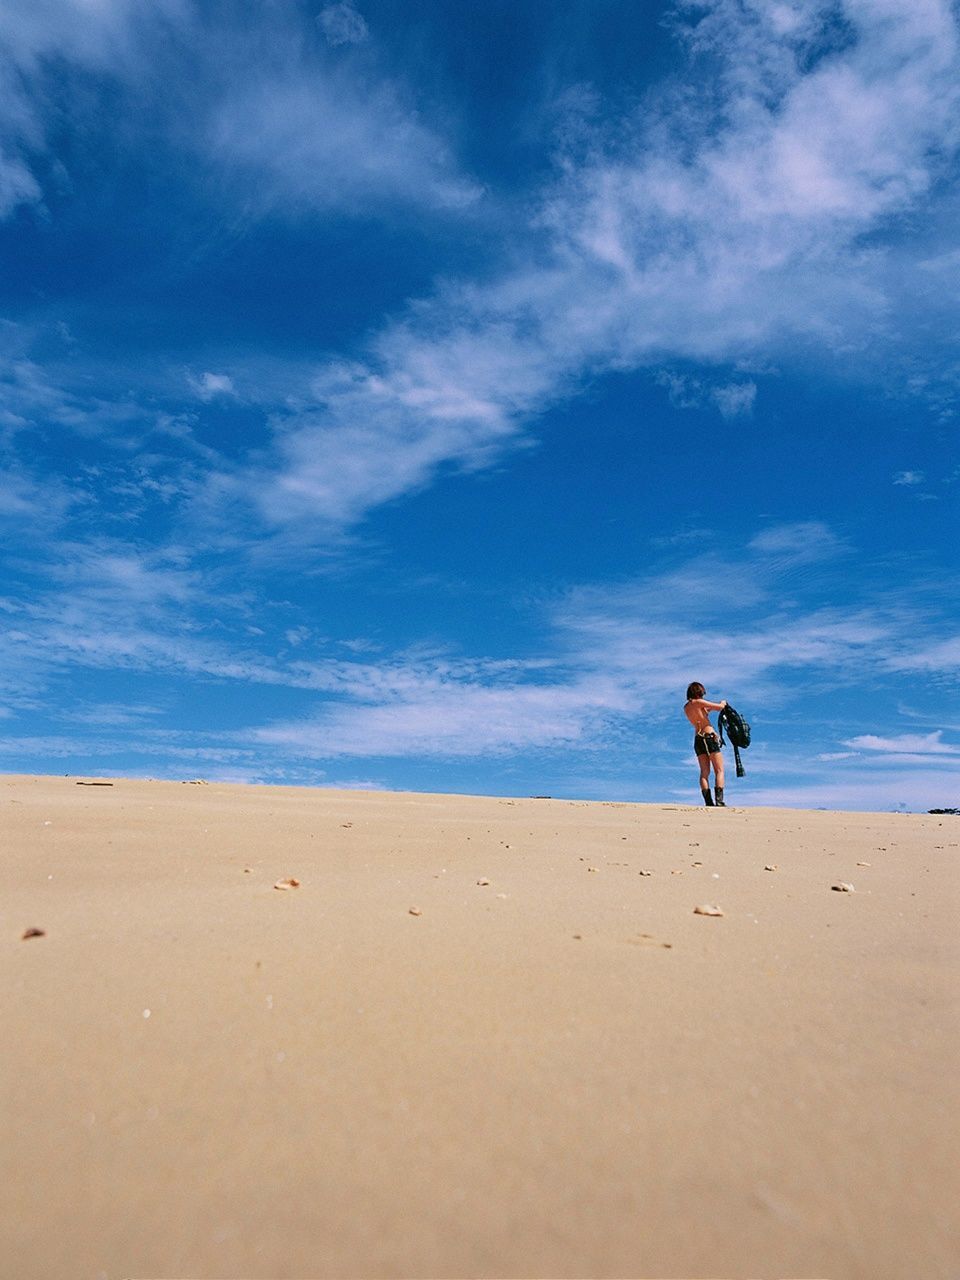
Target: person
{"points": [[706, 744]]}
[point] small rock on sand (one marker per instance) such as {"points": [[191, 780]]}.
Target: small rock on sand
{"points": [[707, 910], [842, 887], [33, 933], [771, 866], [415, 911], [483, 880], [288, 883]]}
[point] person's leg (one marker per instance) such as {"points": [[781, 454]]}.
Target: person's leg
{"points": [[716, 759], [704, 763]]}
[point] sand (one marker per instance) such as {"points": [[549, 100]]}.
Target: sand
{"points": [[555, 1069]]}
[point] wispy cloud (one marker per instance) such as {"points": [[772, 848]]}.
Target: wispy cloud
{"points": [[918, 744], [295, 131], [735, 399], [343, 24], [445, 719], [803, 539], [728, 233], [905, 790], [210, 385], [109, 37], [612, 661], [322, 139]]}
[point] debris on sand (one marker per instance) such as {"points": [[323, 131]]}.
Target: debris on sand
{"points": [[483, 880], [771, 866], [94, 784], [33, 933], [843, 887], [707, 910], [415, 911], [288, 883]]}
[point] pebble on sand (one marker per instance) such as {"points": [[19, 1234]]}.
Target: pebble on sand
{"points": [[33, 933], [288, 883], [483, 880], [415, 911], [771, 866], [707, 910], [842, 887]]}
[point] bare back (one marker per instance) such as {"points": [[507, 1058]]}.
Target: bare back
{"points": [[697, 712]]}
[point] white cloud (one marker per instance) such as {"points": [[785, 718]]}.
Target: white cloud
{"points": [[27, 501], [342, 24], [733, 399], [297, 137], [612, 666], [736, 399], [295, 131], [457, 719], [917, 744], [106, 36], [724, 236], [908, 477], [800, 540], [727, 232], [942, 656], [210, 385], [17, 184], [891, 791]]}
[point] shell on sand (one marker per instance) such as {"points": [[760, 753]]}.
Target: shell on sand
{"points": [[707, 910], [288, 883]]}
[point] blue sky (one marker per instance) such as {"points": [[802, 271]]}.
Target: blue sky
{"points": [[420, 395]]}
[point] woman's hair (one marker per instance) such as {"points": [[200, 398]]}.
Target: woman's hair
{"points": [[695, 690]]}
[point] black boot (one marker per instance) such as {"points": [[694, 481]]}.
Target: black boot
{"points": [[719, 794], [707, 797]]}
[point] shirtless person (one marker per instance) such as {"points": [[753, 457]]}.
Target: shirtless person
{"points": [[706, 744]]}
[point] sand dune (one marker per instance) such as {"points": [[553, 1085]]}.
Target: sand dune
{"points": [[556, 1068]]}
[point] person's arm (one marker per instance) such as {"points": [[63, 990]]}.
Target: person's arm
{"points": [[712, 706]]}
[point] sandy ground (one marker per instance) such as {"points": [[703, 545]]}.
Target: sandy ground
{"points": [[563, 1072]]}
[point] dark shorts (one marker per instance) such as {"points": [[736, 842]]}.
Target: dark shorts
{"points": [[705, 744]]}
